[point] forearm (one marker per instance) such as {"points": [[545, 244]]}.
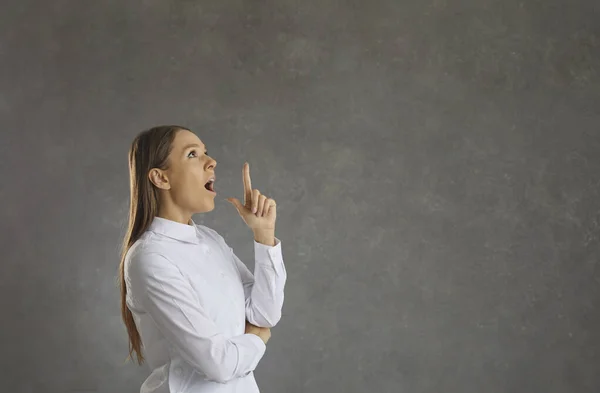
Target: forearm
{"points": [[265, 301]]}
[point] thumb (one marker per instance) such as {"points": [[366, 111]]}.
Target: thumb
{"points": [[235, 202]]}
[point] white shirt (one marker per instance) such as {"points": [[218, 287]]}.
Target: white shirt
{"points": [[190, 296]]}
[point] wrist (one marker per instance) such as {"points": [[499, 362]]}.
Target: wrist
{"points": [[265, 236]]}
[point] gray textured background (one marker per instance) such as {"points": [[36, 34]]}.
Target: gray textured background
{"points": [[436, 164]]}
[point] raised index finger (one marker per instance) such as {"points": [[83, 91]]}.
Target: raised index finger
{"points": [[247, 183]]}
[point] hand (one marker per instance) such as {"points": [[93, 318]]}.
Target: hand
{"points": [[263, 333], [258, 211]]}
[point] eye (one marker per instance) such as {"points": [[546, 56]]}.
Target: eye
{"points": [[192, 154]]}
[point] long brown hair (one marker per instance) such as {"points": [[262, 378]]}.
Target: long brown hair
{"points": [[149, 149]]}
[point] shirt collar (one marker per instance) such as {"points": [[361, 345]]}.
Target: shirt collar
{"points": [[175, 230]]}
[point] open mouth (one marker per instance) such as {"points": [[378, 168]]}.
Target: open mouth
{"points": [[210, 185]]}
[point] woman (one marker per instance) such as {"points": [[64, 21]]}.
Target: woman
{"points": [[202, 318]]}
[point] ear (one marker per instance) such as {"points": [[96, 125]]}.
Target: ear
{"points": [[159, 179]]}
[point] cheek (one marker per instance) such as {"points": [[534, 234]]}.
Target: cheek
{"points": [[188, 182], [185, 182], [194, 180], [192, 184]]}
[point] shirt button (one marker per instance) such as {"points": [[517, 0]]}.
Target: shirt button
{"points": [[222, 275]]}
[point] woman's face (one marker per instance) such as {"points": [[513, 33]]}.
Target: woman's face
{"points": [[188, 181]]}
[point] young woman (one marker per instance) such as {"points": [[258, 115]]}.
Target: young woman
{"points": [[202, 318]]}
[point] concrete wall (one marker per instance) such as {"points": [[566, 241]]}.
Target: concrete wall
{"points": [[436, 165]]}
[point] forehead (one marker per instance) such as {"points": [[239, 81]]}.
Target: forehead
{"points": [[184, 139]]}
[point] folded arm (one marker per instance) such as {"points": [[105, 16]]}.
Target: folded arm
{"points": [[163, 292]]}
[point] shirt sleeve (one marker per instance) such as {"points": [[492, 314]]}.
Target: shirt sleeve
{"points": [[264, 290], [163, 292]]}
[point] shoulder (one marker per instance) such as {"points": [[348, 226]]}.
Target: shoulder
{"points": [[144, 259]]}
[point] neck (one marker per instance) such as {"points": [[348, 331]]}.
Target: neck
{"points": [[173, 213], [183, 219]]}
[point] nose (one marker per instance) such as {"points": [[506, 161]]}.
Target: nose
{"points": [[211, 164]]}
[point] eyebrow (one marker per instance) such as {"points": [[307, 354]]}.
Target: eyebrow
{"points": [[192, 145]]}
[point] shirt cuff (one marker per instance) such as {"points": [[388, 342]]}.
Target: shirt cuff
{"points": [[258, 342], [270, 256], [251, 349]]}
